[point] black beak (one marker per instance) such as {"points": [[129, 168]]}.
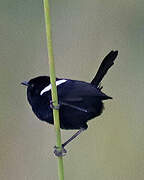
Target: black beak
{"points": [[25, 83]]}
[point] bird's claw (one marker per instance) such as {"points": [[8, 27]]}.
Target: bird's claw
{"points": [[54, 107], [59, 152]]}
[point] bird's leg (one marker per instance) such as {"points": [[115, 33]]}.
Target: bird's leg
{"points": [[73, 137], [67, 104], [57, 152], [74, 107]]}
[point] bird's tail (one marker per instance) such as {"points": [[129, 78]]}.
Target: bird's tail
{"points": [[104, 67]]}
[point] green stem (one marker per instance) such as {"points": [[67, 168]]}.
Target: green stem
{"points": [[54, 89]]}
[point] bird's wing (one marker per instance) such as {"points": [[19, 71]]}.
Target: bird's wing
{"points": [[77, 91], [79, 95]]}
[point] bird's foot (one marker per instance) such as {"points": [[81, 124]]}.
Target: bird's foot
{"points": [[59, 152], [54, 107]]}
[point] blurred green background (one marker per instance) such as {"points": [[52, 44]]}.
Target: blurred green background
{"points": [[83, 33]]}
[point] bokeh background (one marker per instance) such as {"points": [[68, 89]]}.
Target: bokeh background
{"points": [[84, 31]]}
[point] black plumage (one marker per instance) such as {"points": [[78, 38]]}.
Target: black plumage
{"points": [[79, 101]]}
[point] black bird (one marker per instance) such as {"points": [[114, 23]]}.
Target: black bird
{"points": [[78, 101]]}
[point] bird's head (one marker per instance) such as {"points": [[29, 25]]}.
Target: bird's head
{"points": [[35, 87]]}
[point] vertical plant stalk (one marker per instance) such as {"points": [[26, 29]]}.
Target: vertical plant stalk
{"points": [[53, 83]]}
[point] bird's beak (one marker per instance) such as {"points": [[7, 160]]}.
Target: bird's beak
{"points": [[25, 83]]}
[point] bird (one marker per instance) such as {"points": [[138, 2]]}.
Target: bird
{"points": [[78, 101]]}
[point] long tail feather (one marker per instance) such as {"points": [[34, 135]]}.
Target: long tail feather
{"points": [[104, 67]]}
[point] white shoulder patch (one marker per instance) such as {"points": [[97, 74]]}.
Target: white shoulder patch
{"points": [[48, 88]]}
